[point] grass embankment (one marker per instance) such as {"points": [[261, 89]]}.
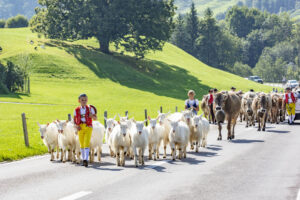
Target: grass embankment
{"points": [[113, 82]]}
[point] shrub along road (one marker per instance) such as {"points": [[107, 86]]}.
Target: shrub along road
{"points": [[255, 165]]}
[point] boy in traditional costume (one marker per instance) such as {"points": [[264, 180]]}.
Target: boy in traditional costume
{"points": [[83, 118]]}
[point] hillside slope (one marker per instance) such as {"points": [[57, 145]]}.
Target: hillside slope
{"points": [[220, 6], [113, 82]]}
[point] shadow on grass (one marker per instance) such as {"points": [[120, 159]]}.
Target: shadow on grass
{"points": [[15, 95], [147, 75]]}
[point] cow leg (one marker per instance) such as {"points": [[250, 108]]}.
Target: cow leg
{"points": [[52, 155], [233, 127], [259, 127], [247, 120], [220, 130], [229, 129], [264, 123]]}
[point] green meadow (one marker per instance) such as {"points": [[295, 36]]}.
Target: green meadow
{"points": [[115, 83]]}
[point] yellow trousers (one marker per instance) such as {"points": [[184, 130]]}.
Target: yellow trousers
{"points": [[291, 108], [85, 135]]}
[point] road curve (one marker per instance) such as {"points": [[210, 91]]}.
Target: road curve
{"points": [[256, 165]]}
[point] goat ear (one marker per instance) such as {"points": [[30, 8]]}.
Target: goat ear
{"points": [[149, 117], [57, 120], [47, 124], [158, 112], [115, 117], [119, 116], [119, 122], [145, 121], [201, 115], [105, 118], [39, 124]]}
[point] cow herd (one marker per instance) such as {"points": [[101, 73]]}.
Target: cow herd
{"points": [[252, 107]]}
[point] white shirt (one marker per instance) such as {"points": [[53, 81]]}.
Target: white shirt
{"points": [[191, 102], [83, 111]]}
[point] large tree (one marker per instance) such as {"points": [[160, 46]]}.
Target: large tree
{"points": [[180, 35], [138, 27]]}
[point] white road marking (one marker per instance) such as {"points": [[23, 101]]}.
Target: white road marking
{"points": [[298, 195], [76, 195]]}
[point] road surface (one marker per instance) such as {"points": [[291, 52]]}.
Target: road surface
{"points": [[256, 165]]}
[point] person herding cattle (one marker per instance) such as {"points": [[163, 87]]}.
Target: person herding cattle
{"points": [[191, 102], [211, 105], [290, 100], [83, 118], [233, 89]]}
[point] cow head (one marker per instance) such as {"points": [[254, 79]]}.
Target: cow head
{"points": [[220, 100], [187, 114], [140, 126], [152, 122], [174, 125]]}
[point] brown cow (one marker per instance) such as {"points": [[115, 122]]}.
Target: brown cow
{"points": [[240, 94], [281, 107], [205, 107], [275, 108], [231, 104], [261, 105]]}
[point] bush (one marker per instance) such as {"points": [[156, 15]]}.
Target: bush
{"points": [[11, 78], [2, 23], [17, 22], [241, 69]]}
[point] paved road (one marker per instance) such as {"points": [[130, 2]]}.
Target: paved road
{"points": [[256, 165]]}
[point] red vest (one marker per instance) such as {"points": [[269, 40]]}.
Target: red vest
{"points": [[211, 99], [88, 120], [287, 98]]}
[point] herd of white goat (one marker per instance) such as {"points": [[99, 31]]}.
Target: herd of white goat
{"points": [[130, 138]]}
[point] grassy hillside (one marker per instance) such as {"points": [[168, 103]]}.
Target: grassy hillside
{"points": [[113, 82], [220, 6]]}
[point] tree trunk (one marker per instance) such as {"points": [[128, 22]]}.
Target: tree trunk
{"points": [[28, 86], [104, 45]]}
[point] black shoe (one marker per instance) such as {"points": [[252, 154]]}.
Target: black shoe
{"points": [[86, 163]]}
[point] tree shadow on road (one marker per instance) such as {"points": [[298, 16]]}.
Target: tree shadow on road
{"points": [[246, 141], [278, 131]]}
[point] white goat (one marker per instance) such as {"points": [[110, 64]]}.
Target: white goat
{"points": [[205, 126], [156, 135], [120, 142], [162, 118], [110, 123], [179, 138], [49, 135], [187, 116], [67, 139], [139, 137], [196, 136], [96, 140]]}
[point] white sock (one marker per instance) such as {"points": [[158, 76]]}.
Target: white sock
{"points": [[290, 118], [87, 152], [82, 154], [293, 117]]}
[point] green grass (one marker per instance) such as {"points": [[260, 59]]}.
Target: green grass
{"points": [[115, 83]]}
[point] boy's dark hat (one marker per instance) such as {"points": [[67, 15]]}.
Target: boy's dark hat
{"points": [[251, 90], [215, 90], [233, 88], [288, 88], [82, 95]]}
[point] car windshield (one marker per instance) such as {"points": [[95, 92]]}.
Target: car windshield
{"points": [[293, 81]]}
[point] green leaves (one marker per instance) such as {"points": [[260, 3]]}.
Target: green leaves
{"points": [[138, 27]]}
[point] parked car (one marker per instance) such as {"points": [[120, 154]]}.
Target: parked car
{"points": [[298, 105], [256, 79], [292, 84]]}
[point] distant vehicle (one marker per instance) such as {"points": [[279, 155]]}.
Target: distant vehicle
{"points": [[298, 106], [292, 84], [256, 79]]}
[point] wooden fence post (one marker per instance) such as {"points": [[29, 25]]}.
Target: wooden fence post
{"points": [[126, 113], [146, 117], [176, 109], [25, 130], [161, 110], [105, 117], [69, 117]]}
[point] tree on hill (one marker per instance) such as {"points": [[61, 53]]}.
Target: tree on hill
{"points": [[16, 22], [192, 29], [180, 35], [2, 23], [138, 27], [207, 42]]}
